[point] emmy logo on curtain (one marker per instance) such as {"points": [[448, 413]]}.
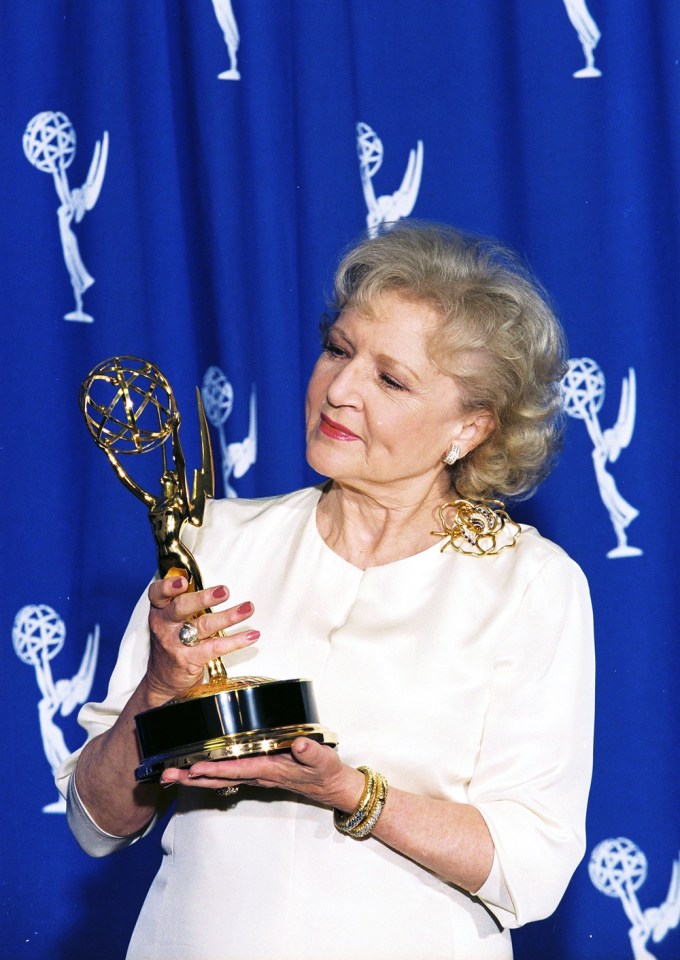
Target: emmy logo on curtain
{"points": [[618, 868], [227, 21], [38, 635], [390, 207], [49, 143], [588, 34], [583, 389], [218, 400]]}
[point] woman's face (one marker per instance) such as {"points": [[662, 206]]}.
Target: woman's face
{"points": [[378, 410]]}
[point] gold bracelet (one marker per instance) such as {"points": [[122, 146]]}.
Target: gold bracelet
{"points": [[347, 821], [366, 828], [362, 821]]}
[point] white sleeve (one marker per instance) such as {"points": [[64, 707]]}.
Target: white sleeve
{"points": [[97, 718], [91, 838], [532, 776]]}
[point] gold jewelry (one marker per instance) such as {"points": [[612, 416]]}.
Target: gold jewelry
{"points": [[361, 823], [474, 527], [451, 454], [226, 791], [346, 822]]}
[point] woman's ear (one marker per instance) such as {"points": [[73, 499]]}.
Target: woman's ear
{"points": [[474, 430]]}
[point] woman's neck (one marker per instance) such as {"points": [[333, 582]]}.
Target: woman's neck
{"points": [[372, 528]]}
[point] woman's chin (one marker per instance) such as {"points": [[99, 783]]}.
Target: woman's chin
{"points": [[328, 463]]}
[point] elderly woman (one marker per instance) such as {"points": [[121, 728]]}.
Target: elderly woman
{"points": [[458, 668]]}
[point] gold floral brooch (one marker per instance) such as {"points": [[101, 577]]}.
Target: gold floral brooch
{"points": [[475, 527]]}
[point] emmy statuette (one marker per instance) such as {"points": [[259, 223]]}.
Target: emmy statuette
{"points": [[129, 408]]}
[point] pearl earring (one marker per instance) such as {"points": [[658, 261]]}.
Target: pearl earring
{"points": [[451, 455]]}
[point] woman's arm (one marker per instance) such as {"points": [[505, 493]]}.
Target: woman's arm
{"points": [[450, 839], [104, 775]]}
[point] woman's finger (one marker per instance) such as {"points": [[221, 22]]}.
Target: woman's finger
{"points": [[172, 607], [187, 605], [312, 754], [163, 592], [216, 625], [285, 770], [213, 647], [210, 624]]}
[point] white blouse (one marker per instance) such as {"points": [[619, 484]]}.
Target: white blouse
{"points": [[461, 678]]}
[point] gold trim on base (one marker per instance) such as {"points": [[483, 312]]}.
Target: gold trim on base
{"points": [[233, 746]]}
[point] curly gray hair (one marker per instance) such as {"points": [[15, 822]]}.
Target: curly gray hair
{"points": [[498, 338]]}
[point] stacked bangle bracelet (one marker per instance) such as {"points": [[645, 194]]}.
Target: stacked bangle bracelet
{"points": [[360, 823]]}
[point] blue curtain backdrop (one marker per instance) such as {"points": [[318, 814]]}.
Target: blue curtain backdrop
{"points": [[209, 212]]}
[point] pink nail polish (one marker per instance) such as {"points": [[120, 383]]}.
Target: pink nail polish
{"points": [[177, 583], [219, 592], [244, 608], [252, 635]]}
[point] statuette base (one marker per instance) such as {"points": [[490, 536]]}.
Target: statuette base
{"points": [[246, 716]]}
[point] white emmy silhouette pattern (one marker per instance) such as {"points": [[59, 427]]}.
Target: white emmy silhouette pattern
{"points": [[49, 143], [583, 389], [227, 21], [618, 868], [588, 33], [390, 207], [38, 635], [218, 400]]}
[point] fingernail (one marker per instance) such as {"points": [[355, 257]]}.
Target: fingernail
{"points": [[177, 583], [167, 783], [219, 592], [245, 608], [252, 635]]}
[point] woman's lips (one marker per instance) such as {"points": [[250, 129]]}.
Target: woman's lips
{"points": [[335, 430]]}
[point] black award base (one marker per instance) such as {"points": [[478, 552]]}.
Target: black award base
{"points": [[230, 718]]}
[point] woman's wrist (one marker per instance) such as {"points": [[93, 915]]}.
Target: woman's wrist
{"points": [[349, 791], [153, 693], [359, 823]]}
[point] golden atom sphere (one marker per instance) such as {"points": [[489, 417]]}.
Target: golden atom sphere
{"points": [[128, 404]]}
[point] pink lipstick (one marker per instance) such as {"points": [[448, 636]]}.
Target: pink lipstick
{"points": [[335, 430]]}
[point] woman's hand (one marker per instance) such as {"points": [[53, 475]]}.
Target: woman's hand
{"points": [[174, 668], [311, 769]]}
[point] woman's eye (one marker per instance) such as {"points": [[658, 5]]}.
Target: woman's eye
{"points": [[391, 382], [334, 350]]}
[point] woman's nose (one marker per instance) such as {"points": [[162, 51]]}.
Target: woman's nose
{"points": [[344, 389]]}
